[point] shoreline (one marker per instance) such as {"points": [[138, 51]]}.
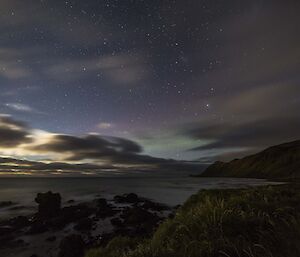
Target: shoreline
{"points": [[105, 226], [96, 222], [261, 221]]}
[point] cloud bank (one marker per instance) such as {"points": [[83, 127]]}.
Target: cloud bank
{"points": [[43, 153]]}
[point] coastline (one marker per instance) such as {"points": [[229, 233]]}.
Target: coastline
{"points": [[48, 241], [259, 221]]}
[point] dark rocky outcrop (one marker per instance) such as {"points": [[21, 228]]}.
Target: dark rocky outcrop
{"points": [[104, 209], [117, 222], [135, 217], [4, 204], [127, 198], [19, 222], [51, 216], [84, 224], [49, 204], [101, 203]]}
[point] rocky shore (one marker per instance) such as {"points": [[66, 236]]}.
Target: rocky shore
{"points": [[67, 231]]}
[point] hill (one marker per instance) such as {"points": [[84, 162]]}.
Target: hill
{"points": [[280, 161]]}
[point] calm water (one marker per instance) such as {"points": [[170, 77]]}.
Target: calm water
{"points": [[164, 189]]}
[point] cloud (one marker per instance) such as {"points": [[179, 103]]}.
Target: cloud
{"points": [[247, 120], [12, 132], [105, 125], [13, 166], [89, 147], [80, 32], [225, 140], [11, 64], [19, 107], [120, 68], [44, 153]]}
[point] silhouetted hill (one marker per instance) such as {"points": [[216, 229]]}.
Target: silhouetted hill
{"points": [[280, 161]]}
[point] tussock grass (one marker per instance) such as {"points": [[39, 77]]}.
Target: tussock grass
{"points": [[257, 222]]}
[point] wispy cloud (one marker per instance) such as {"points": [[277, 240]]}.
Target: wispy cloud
{"points": [[121, 69], [20, 107]]}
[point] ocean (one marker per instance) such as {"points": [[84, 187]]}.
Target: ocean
{"points": [[170, 190]]}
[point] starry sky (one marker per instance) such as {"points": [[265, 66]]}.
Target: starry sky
{"points": [[116, 85]]}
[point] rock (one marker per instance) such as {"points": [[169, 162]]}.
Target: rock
{"points": [[38, 227], [19, 222], [76, 212], [71, 214], [9, 241], [49, 204], [71, 246], [116, 222], [106, 211], [127, 198], [102, 203], [140, 221], [6, 204], [149, 205], [84, 224], [136, 216], [5, 230], [51, 239]]}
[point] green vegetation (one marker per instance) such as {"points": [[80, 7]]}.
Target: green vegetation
{"points": [[256, 222], [281, 161]]}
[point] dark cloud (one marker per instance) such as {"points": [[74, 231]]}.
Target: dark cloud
{"points": [[90, 147], [244, 137], [6, 160], [12, 132], [11, 166]]}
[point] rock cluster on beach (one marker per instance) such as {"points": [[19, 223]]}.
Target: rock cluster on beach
{"points": [[128, 215]]}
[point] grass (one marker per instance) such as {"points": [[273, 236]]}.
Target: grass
{"points": [[257, 222]]}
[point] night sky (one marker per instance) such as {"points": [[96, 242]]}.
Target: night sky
{"points": [[110, 86]]}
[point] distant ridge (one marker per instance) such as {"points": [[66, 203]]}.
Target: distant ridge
{"points": [[280, 161]]}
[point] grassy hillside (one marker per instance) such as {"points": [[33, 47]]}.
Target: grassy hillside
{"points": [[281, 161], [260, 222]]}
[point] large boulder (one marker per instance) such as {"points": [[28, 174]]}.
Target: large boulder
{"points": [[71, 246], [49, 204]]}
